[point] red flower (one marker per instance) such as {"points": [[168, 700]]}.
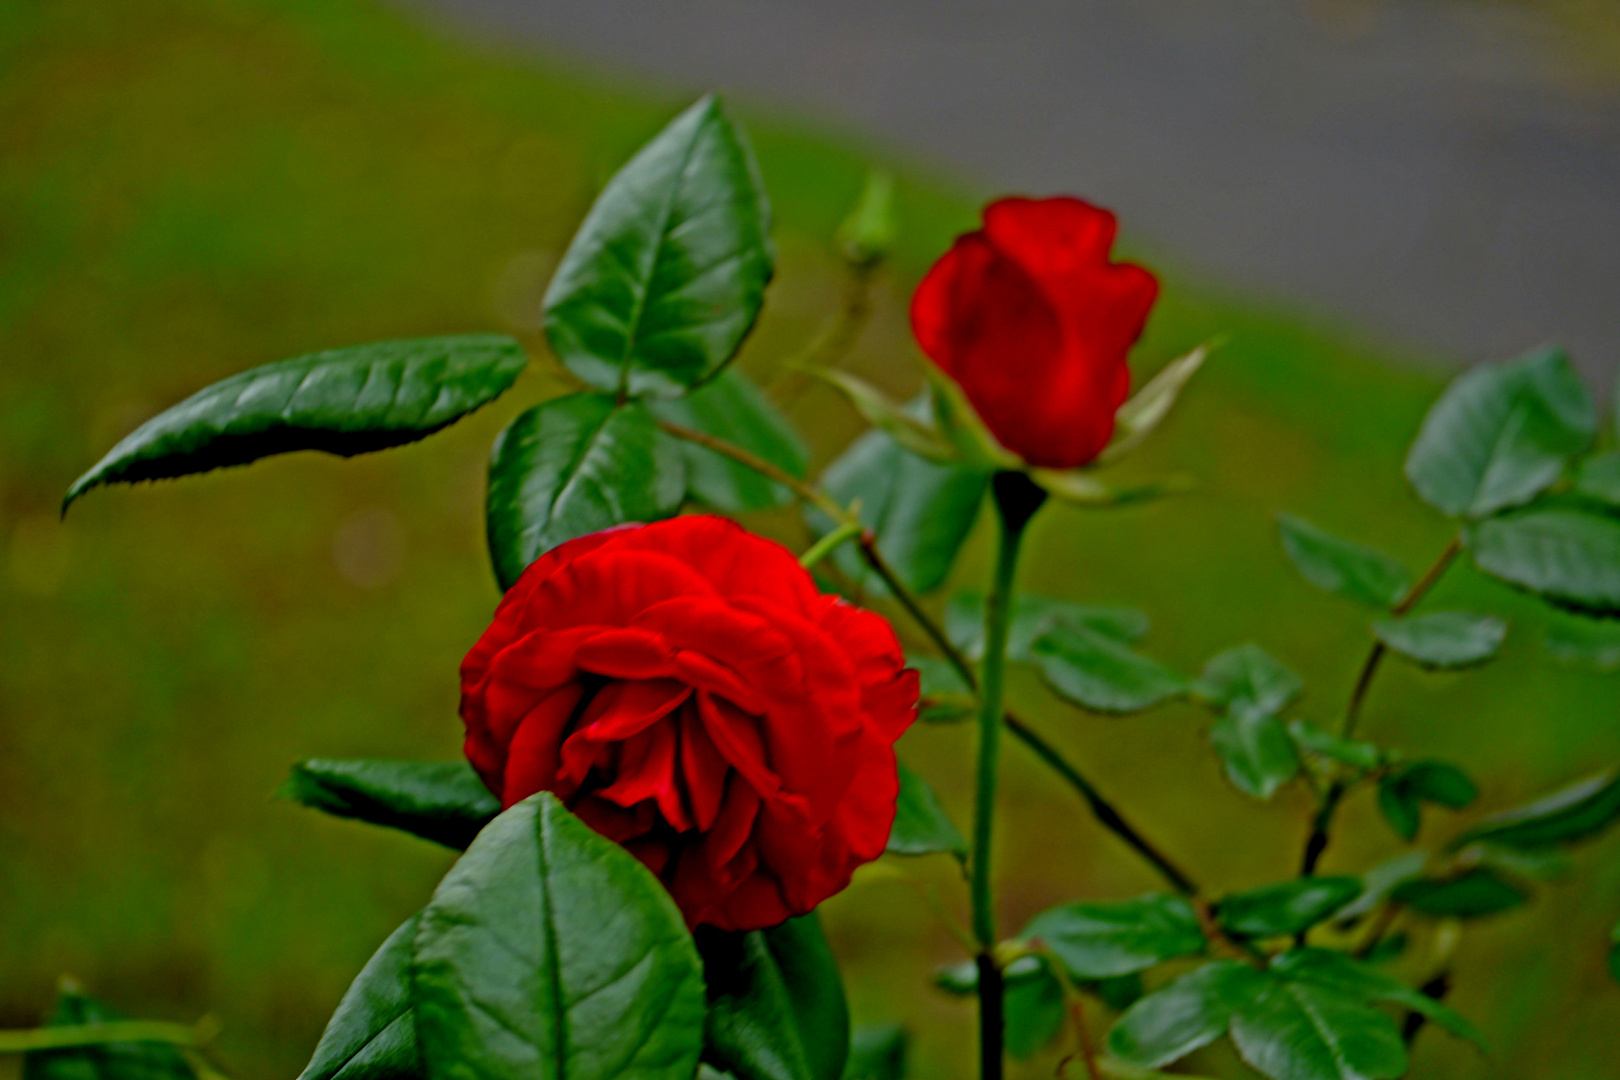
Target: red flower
{"points": [[685, 689], [1033, 321]]}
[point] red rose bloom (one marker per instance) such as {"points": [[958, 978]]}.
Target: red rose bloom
{"points": [[685, 689], [1033, 321]]}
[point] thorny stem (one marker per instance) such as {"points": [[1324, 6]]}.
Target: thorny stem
{"points": [[1317, 842], [1105, 812]]}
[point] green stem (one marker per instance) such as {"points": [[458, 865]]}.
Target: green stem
{"points": [[1017, 498], [827, 544], [70, 1035], [1322, 824]]}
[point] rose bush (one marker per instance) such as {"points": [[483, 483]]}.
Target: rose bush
{"points": [[686, 690], [1034, 322]]}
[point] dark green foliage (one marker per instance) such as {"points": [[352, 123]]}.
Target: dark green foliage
{"points": [[877, 1052], [1564, 552], [1288, 907], [343, 401], [106, 1061], [1099, 940], [776, 1003], [1469, 894], [1097, 672], [732, 408], [667, 273], [1564, 817], [921, 826], [372, 1036], [572, 466], [1406, 787], [549, 943], [444, 802]]}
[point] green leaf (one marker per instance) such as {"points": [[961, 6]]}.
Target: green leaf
{"points": [[732, 408], [1247, 677], [1034, 1012], [1564, 817], [1381, 880], [1598, 477], [1351, 752], [877, 1052], [1443, 639], [920, 512], [1255, 751], [921, 826], [1407, 786], [444, 802], [1614, 952], [1032, 616], [572, 466], [372, 1036], [1474, 892], [1288, 907], [1338, 971], [1097, 672], [1501, 434], [1147, 408], [1342, 566], [104, 1061], [1098, 940], [1187, 1013], [909, 424], [550, 949], [343, 401], [1303, 1031], [666, 275], [1567, 554], [776, 1003], [945, 697], [1585, 643], [867, 235]]}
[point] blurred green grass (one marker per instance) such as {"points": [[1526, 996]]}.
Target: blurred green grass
{"points": [[192, 187]]}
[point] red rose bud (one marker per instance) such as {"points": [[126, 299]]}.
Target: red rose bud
{"points": [[1033, 322], [685, 689]]}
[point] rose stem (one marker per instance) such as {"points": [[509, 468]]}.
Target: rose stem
{"points": [[1317, 842], [1106, 813], [1017, 498]]}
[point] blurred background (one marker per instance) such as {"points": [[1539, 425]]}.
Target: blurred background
{"points": [[1361, 196]]}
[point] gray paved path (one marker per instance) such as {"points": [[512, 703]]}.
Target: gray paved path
{"points": [[1435, 171]]}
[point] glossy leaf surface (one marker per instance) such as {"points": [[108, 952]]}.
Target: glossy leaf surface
{"points": [[1187, 1013], [444, 802], [776, 1003], [1247, 677], [1443, 639], [343, 401], [668, 270], [1598, 477], [1097, 940], [104, 1061], [1303, 1031], [1500, 434], [549, 950], [1032, 616], [732, 408], [1256, 751], [1564, 817], [1287, 907], [1568, 554], [1342, 566], [921, 512], [1475, 892], [572, 466], [1099, 673], [1339, 971], [372, 1035], [1404, 790], [921, 826]]}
